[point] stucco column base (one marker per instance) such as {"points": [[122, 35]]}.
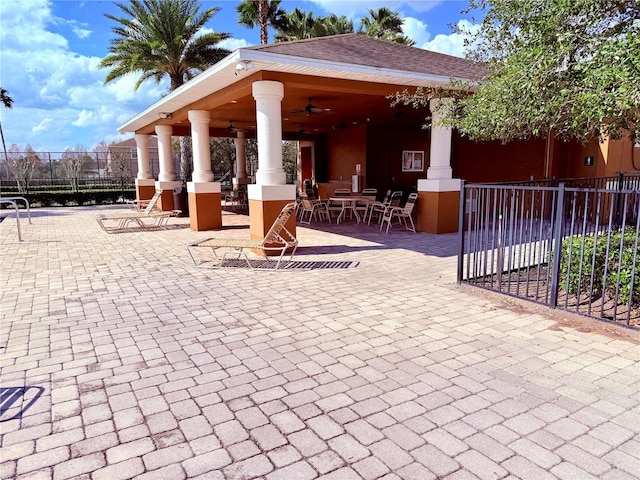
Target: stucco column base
{"points": [[265, 203], [145, 188], [205, 206], [166, 199], [438, 204]]}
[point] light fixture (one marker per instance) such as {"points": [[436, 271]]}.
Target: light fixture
{"points": [[244, 65], [165, 115]]}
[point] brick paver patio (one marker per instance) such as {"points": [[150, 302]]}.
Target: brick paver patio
{"points": [[381, 369]]}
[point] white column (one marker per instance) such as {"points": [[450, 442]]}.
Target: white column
{"points": [[268, 96], [241, 155], [142, 147], [167, 168], [200, 138], [440, 150]]}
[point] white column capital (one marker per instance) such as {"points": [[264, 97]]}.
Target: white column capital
{"points": [[199, 116], [142, 140], [164, 130], [267, 88]]}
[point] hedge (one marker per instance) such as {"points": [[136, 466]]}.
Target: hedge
{"points": [[589, 255], [67, 198]]}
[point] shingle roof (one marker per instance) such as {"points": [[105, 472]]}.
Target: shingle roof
{"points": [[358, 49]]}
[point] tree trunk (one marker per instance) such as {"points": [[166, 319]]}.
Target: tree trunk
{"points": [[263, 11]]}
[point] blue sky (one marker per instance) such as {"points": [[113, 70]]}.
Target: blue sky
{"points": [[50, 51]]}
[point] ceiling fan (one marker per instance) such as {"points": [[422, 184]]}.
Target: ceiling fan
{"points": [[311, 109], [231, 128], [302, 131], [341, 126]]}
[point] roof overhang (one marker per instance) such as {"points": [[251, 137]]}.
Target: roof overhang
{"points": [[224, 74]]}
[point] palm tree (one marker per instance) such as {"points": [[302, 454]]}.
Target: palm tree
{"points": [[264, 13], [7, 102], [338, 25], [298, 25], [163, 37], [386, 25]]}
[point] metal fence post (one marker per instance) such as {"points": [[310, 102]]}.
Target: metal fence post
{"points": [[461, 214], [557, 246]]}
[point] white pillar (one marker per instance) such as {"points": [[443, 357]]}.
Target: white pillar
{"points": [[142, 147], [268, 95], [440, 150], [167, 168], [200, 139], [241, 155]]}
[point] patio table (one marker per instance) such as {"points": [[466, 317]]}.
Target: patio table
{"points": [[349, 204]]}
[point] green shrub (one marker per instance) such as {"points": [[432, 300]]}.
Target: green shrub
{"points": [[589, 256], [55, 197]]}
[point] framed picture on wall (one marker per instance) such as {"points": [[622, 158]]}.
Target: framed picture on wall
{"points": [[412, 160]]}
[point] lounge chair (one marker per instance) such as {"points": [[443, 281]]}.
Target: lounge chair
{"points": [[123, 221], [145, 205], [277, 240]]}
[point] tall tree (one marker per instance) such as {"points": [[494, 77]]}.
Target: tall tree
{"points": [[73, 161], [161, 38], [570, 68], [262, 13], [7, 102], [384, 24], [298, 25]]}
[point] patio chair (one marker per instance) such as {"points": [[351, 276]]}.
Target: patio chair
{"points": [[362, 206], [236, 197], [118, 222], [403, 214], [310, 210], [379, 208], [277, 240]]}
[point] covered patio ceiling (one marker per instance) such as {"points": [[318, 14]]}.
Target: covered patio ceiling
{"points": [[345, 94]]}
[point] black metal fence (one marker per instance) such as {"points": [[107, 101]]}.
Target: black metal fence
{"points": [[569, 247]]}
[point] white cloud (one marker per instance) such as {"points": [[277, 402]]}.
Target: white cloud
{"points": [[43, 126], [452, 44], [352, 8], [416, 30], [233, 44], [60, 98]]}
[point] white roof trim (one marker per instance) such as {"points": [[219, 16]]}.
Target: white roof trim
{"points": [[226, 70]]}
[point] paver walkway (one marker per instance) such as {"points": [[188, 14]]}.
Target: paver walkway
{"points": [[153, 369]]}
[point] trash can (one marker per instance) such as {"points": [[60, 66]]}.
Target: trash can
{"points": [[181, 201]]}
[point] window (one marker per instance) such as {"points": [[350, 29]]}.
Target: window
{"points": [[413, 161], [134, 154]]}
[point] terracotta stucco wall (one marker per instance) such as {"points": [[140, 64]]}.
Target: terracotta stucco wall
{"points": [[385, 144], [346, 148], [497, 162]]}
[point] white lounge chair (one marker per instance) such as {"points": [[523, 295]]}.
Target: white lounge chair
{"points": [[277, 240], [147, 218]]}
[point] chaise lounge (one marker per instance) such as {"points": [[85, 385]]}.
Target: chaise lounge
{"points": [[277, 240]]}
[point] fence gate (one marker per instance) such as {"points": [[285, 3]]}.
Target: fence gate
{"points": [[566, 247]]}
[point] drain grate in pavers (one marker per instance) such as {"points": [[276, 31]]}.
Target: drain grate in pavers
{"points": [[15, 401]]}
